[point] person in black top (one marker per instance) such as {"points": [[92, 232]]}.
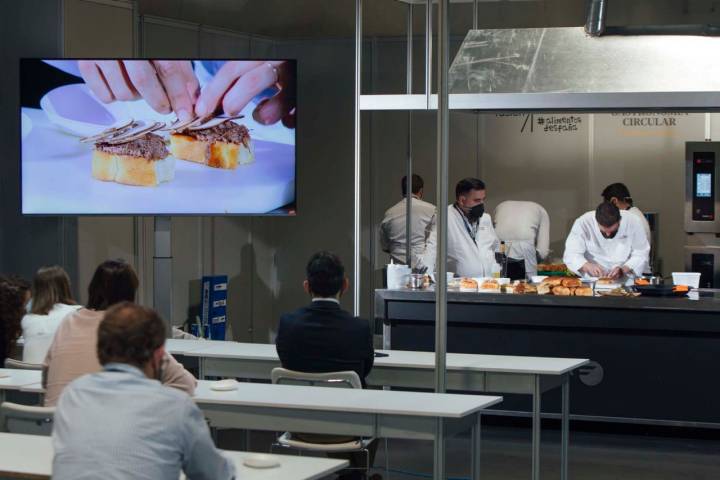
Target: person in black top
{"points": [[322, 337], [13, 296]]}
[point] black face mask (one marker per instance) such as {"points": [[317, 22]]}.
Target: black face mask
{"points": [[476, 212], [612, 235]]}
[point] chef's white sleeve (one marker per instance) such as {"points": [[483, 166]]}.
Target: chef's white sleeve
{"points": [[575, 248], [543, 235], [427, 257]]}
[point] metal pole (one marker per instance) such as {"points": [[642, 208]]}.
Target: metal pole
{"points": [[409, 166], [428, 51], [475, 16], [442, 195], [596, 14], [565, 434], [536, 429], [442, 213], [356, 213]]}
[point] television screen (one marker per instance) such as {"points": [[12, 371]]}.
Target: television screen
{"points": [[158, 137]]}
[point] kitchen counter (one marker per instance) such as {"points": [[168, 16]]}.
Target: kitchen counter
{"points": [[654, 360]]}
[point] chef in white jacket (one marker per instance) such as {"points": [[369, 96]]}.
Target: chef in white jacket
{"points": [[472, 241], [393, 236], [608, 242], [525, 229]]}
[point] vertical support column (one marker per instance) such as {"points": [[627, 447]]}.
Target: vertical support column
{"points": [[565, 428], [536, 429], [409, 165], [475, 445], [442, 212], [356, 212], [475, 14], [428, 50], [162, 271]]}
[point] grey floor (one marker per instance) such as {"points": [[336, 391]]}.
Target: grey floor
{"points": [[506, 456]]}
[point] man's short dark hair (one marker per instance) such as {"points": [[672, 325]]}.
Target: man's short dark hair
{"points": [[129, 333], [607, 214], [619, 191], [417, 184], [325, 274], [466, 185], [114, 281]]}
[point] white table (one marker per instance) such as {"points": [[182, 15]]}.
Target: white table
{"points": [[346, 411], [30, 456], [501, 374], [16, 379]]}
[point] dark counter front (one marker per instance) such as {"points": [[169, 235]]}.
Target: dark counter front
{"points": [[655, 360]]}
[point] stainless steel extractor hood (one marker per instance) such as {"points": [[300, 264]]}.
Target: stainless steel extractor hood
{"points": [[564, 69]]}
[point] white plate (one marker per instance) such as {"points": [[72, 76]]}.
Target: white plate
{"points": [[607, 286], [225, 385], [259, 460], [489, 290], [589, 279]]}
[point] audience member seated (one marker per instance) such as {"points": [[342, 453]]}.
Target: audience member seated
{"points": [[12, 309], [121, 423], [51, 302], [73, 351], [322, 337]]}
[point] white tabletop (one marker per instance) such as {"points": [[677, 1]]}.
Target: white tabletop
{"points": [[32, 455], [17, 378], [184, 346], [387, 402], [406, 359]]}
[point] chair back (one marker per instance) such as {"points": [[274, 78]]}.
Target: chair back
{"points": [[344, 379], [26, 419], [12, 363]]}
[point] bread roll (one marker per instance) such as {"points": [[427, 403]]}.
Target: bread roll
{"points": [[571, 282], [583, 292], [544, 289], [553, 281], [561, 291], [130, 170]]}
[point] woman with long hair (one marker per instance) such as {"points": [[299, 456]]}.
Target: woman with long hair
{"points": [[73, 351], [51, 302]]}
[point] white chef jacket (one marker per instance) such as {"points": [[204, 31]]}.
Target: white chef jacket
{"points": [[525, 229], [465, 256], [586, 243], [422, 233], [646, 226]]}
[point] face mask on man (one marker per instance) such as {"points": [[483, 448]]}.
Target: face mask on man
{"points": [[476, 212]]}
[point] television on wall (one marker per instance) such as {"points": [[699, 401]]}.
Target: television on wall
{"points": [[158, 137]]}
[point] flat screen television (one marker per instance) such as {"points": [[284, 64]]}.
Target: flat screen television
{"points": [[158, 137]]}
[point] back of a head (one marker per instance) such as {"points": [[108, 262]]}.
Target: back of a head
{"points": [[325, 274], [51, 285], [607, 214], [466, 185], [12, 310], [417, 184], [129, 333], [114, 281], [617, 190]]}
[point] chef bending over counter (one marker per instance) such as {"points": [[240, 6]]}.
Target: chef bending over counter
{"points": [[608, 242]]}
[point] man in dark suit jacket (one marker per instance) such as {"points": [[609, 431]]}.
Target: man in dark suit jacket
{"points": [[322, 337]]}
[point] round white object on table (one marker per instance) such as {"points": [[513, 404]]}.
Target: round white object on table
{"points": [[261, 460], [538, 278], [225, 385]]}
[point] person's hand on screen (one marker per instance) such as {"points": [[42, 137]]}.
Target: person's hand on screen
{"points": [[238, 82], [166, 85]]}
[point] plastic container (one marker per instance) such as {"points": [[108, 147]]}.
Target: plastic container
{"points": [[691, 279]]}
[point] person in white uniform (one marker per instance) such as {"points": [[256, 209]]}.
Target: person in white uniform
{"points": [[525, 229], [393, 236], [608, 242], [472, 241], [619, 195]]}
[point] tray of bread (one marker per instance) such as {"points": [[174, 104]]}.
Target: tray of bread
{"points": [[564, 287]]}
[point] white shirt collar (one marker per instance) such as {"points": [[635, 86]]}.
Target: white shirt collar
{"points": [[326, 299]]}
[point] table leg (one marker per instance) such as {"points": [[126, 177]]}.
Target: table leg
{"points": [[201, 368], [565, 433], [439, 453], [475, 446], [536, 429]]}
